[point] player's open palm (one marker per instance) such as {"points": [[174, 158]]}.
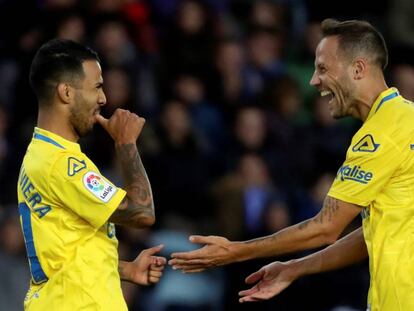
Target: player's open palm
{"points": [[270, 280], [123, 126]]}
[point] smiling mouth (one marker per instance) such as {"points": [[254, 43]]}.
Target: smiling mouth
{"points": [[326, 93]]}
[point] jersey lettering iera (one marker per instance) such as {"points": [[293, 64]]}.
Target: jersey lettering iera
{"points": [[378, 174], [64, 205]]}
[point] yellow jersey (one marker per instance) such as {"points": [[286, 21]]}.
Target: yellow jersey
{"points": [[64, 206], [378, 174]]}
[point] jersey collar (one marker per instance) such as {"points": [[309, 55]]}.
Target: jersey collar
{"points": [[54, 139], [382, 99]]}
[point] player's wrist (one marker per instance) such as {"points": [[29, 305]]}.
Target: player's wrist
{"points": [[239, 252], [295, 269], [301, 267], [125, 271], [124, 141]]}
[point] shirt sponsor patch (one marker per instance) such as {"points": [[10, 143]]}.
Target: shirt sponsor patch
{"points": [[366, 144], [98, 186], [354, 173]]}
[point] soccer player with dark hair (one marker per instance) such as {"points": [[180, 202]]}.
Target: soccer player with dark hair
{"points": [[67, 206]]}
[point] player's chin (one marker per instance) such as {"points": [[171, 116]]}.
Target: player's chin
{"points": [[335, 113], [86, 129], [90, 128], [91, 123]]}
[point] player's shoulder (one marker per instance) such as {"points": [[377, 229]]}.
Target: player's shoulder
{"points": [[402, 120], [70, 165], [395, 107], [404, 105], [394, 118]]}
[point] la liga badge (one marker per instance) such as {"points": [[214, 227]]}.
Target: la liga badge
{"points": [[98, 186]]}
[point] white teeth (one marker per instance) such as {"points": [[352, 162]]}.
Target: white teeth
{"points": [[324, 93]]}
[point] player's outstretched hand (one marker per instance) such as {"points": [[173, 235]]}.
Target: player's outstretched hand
{"points": [[123, 126], [270, 281], [216, 252], [147, 269]]}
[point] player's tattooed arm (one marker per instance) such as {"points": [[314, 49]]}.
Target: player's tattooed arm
{"points": [[137, 208], [327, 213], [322, 229]]}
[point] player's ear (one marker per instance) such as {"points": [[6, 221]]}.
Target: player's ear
{"points": [[65, 92], [359, 68]]}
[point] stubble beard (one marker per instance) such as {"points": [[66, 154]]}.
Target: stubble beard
{"points": [[79, 118]]}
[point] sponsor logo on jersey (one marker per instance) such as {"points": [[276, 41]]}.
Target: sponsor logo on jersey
{"points": [[354, 173], [75, 166], [98, 186], [366, 144]]}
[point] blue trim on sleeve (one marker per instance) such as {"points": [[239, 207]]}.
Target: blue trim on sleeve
{"points": [[36, 270], [47, 139], [388, 97]]}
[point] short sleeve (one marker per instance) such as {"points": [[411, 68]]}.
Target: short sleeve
{"points": [[76, 183], [370, 163]]}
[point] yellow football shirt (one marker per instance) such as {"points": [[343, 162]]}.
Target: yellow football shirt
{"points": [[64, 205], [378, 174]]}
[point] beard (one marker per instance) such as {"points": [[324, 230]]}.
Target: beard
{"points": [[80, 117]]}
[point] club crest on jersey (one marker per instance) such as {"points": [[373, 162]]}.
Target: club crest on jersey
{"points": [[98, 186], [75, 166], [354, 173], [366, 144], [110, 230]]}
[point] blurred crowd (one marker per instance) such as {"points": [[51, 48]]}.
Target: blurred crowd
{"points": [[236, 142]]}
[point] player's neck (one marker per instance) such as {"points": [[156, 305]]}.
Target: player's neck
{"points": [[369, 93], [56, 123]]}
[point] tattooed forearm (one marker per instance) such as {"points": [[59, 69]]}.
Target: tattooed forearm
{"points": [[320, 230], [136, 178], [329, 208], [139, 202], [304, 224]]}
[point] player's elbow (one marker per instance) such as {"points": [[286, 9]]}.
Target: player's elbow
{"points": [[330, 239], [147, 221], [329, 234], [144, 216], [144, 221]]}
